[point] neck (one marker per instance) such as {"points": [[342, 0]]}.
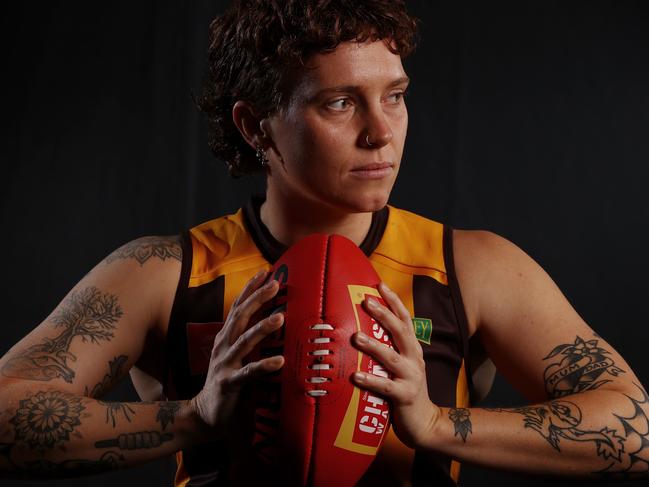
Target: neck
{"points": [[288, 221]]}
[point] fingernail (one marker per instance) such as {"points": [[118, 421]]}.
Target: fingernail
{"points": [[372, 303], [259, 274], [270, 284], [361, 337], [360, 377], [386, 288], [275, 318]]}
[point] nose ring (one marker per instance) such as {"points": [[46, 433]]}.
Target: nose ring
{"points": [[367, 141]]}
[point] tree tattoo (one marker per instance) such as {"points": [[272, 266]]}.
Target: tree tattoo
{"points": [[146, 248], [461, 418], [115, 371], [47, 418], [583, 366], [88, 314], [167, 413]]}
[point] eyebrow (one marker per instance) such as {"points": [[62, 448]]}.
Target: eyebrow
{"points": [[346, 88]]}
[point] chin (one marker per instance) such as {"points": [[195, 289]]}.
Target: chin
{"points": [[369, 203]]}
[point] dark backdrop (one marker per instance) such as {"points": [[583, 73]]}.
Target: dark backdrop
{"points": [[530, 119]]}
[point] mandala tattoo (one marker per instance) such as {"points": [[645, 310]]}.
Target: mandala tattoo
{"points": [[47, 418], [167, 413], [583, 366], [461, 418], [146, 248], [628, 454], [115, 371], [88, 314]]}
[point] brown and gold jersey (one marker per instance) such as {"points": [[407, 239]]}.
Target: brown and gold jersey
{"points": [[412, 254]]}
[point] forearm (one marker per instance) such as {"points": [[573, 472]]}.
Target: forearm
{"points": [[601, 434], [44, 432]]}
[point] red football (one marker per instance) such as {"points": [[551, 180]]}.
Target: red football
{"points": [[312, 425]]}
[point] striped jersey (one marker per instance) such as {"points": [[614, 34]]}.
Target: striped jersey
{"points": [[412, 254]]}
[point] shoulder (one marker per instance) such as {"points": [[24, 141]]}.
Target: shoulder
{"points": [[144, 249], [146, 270], [480, 252], [491, 270]]}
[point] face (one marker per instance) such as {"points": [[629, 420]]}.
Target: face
{"points": [[346, 118]]}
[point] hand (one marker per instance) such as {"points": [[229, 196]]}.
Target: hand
{"points": [[413, 413], [219, 404]]}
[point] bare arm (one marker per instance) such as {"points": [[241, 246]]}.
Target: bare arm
{"points": [[51, 422], [590, 412]]}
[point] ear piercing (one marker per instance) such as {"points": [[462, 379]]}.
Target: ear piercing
{"points": [[261, 155]]}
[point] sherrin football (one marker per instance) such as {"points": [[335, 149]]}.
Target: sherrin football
{"points": [[313, 427]]}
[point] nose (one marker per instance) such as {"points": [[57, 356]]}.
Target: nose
{"points": [[377, 132]]}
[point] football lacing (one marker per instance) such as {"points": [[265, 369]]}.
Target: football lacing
{"points": [[320, 353]]}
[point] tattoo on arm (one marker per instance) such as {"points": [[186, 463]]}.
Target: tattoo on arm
{"points": [[113, 409], [110, 460], [46, 419], [146, 248], [583, 366], [136, 441], [461, 418], [167, 413], [115, 372], [89, 314], [627, 452]]}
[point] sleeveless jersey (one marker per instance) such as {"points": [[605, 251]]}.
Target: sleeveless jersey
{"points": [[412, 254]]}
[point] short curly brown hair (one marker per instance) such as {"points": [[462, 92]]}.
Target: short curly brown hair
{"points": [[256, 43]]}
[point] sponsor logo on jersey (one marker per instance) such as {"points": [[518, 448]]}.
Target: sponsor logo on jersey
{"points": [[423, 329]]}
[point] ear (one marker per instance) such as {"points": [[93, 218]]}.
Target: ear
{"points": [[248, 123]]}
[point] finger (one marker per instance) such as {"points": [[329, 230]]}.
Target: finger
{"points": [[394, 302], [256, 281], [254, 371], [401, 331], [383, 387], [239, 318], [390, 359], [249, 340]]}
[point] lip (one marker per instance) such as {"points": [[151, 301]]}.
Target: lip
{"points": [[376, 170]]}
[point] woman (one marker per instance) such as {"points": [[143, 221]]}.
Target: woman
{"points": [[311, 93]]}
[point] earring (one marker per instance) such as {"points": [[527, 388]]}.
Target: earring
{"points": [[261, 156]]}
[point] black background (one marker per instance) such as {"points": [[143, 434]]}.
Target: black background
{"points": [[530, 119]]}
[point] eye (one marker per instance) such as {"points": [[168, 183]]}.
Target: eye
{"points": [[341, 104], [396, 97]]}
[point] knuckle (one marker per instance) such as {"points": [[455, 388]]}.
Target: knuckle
{"points": [[387, 388], [421, 363], [235, 315], [394, 358], [405, 328], [245, 371], [242, 341]]}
